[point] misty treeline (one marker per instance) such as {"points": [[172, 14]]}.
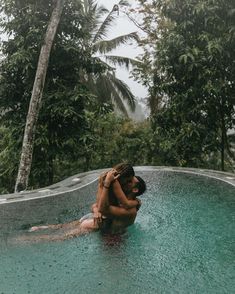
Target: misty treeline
{"points": [[187, 65]]}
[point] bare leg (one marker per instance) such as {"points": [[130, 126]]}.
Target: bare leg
{"points": [[88, 225], [59, 236], [39, 228], [67, 231], [54, 227]]}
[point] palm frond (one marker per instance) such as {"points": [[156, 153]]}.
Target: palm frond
{"points": [[100, 12], [124, 3], [123, 90], [107, 89], [88, 12], [105, 46], [86, 6], [103, 29], [117, 100], [104, 88], [103, 83], [91, 84], [92, 13], [91, 5], [121, 61], [104, 64]]}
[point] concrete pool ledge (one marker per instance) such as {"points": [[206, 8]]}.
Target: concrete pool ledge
{"points": [[72, 196], [51, 204], [70, 184]]}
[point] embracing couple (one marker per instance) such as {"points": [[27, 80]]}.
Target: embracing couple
{"points": [[115, 208]]}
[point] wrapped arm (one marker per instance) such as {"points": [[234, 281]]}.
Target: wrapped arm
{"points": [[121, 213], [114, 211], [118, 192], [103, 201], [103, 192]]}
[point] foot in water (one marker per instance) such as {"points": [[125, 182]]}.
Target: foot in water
{"points": [[37, 228]]}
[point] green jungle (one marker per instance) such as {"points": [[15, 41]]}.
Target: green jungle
{"points": [[85, 115]]}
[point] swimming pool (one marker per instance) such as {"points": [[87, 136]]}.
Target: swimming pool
{"points": [[182, 242]]}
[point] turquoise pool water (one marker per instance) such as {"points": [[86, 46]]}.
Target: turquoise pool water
{"points": [[183, 241]]}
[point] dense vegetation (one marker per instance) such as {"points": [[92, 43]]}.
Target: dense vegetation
{"points": [[187, 65], [189, 69]]}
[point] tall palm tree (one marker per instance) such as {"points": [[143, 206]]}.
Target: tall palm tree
{"points": [[104, 84], [36, 97]]}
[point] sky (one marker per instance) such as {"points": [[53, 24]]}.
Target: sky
{"points": [[125, 26]]}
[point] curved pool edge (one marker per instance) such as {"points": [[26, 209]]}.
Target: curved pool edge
{"points": [[75, 193], [81, 180], [226, 177], [71, 196]]}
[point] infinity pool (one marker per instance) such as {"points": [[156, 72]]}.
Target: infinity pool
{"points": [[183, 241]]}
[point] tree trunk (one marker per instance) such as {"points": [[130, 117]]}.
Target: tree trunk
{"points": [[50, 170], [223, 137], [35, 101], [223, 134]]}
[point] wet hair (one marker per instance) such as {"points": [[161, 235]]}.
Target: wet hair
{"points": [[141, 186], [125, 170]]}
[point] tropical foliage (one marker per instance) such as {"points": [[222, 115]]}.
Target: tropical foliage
{"points": [[63, 123], [187, 65], [100, 78], [192, 81]]}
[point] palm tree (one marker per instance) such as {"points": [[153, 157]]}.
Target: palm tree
{"points": [[104, 84], [35, 101]]}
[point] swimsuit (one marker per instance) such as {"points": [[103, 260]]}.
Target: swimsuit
{"points": [[104, 226], [86, 216]]}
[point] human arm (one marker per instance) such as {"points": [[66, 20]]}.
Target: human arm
{"points": [[124, 201], [110, 210], [103, 201], [117, 189], [120, 212], [94, 207], [96, 213], [103, 191], [121, 217]]}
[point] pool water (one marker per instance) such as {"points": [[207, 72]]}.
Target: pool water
{"points": [[183, 241]]}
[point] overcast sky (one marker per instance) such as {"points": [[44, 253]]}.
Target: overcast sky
{"points": [[124, 26]]}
